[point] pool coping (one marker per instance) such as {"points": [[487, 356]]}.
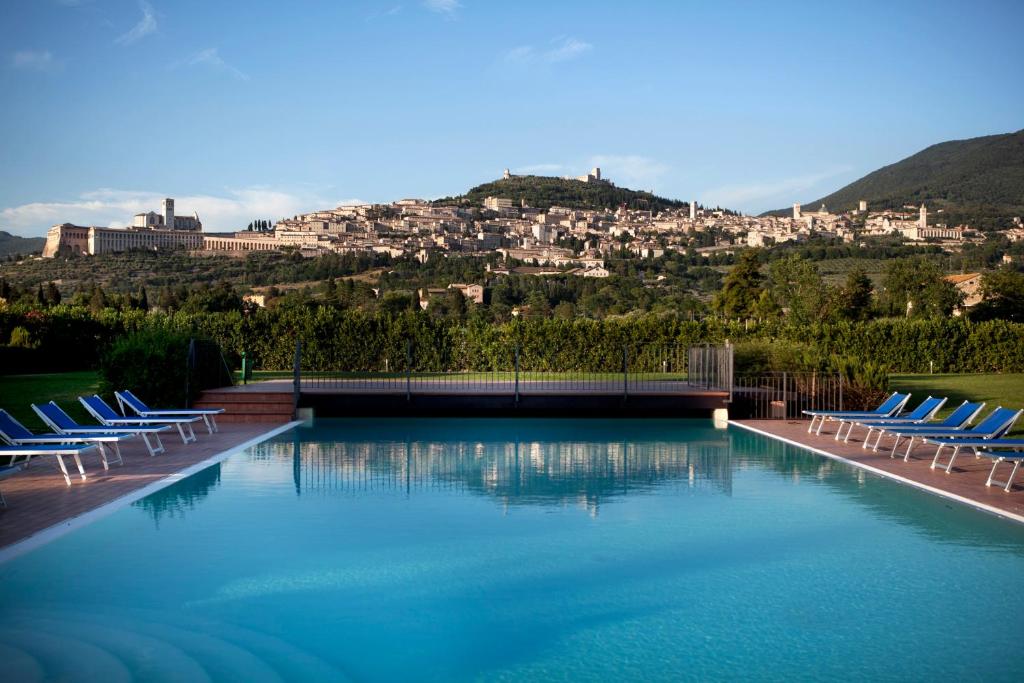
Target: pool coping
{"points": [[51, 533], [963, 500]]}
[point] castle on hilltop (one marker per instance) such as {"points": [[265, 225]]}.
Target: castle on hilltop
{"points": [[593, 177]]}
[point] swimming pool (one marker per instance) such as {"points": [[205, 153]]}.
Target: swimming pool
{"points": [[380, 549]]}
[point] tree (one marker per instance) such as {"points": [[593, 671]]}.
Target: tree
{"points": [[915, 287], [855, 296], [741, 289], [98, 301], [52, 294], [798, 288], [1002, 294], [143, 300], [41, 295]]}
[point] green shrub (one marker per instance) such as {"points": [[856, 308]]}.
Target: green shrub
{"points": [[865, 383], [154, 363], [21, 338]]}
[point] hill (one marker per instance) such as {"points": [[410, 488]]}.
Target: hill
{"points": [[978, 179], [12, 244], [543, 192]]}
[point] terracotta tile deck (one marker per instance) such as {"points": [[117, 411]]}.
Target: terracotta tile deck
{"points": [[37, 498], [966, 483]]}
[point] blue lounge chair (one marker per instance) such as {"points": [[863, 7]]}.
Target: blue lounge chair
{"points": [[99, 409], [1016, 456], [922, 413], [62, 423], [16, 434], [21, 455], [890, 407], [958, 419], [995, 424], [127, 399]]}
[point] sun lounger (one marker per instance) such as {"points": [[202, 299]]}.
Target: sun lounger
{"points": [[962, 416], [995, 425], [99, 409], [890, 407], [1015, 456], [62, 423], [975, 445], [16, 434], [127, 399], [922, 413], [23, 454]]}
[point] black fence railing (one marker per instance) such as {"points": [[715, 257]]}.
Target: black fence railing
{"points": [[640, 369], [784, 395]]}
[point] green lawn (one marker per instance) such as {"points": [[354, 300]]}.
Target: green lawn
{"points": [[995, 390], [17, 392]]}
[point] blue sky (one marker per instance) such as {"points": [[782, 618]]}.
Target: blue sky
{"points": [[264, 109]]}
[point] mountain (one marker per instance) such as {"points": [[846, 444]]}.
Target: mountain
{"points": [[980, 178], [543, 192], [12, 244]]}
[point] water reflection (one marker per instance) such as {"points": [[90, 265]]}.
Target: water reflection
{"points": [[580, 470], [181, 496]]}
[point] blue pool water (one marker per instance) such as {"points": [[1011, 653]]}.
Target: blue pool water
{"points": [[522, 550]]}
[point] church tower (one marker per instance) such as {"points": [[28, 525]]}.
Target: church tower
{"points": [[922, 221]]}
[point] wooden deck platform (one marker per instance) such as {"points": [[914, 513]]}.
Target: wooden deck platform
{"points": [[965, 484], [38, 498]]}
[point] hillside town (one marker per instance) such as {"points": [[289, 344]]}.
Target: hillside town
{"points": [[538, 241]]}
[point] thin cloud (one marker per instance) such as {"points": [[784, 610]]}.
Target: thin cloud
{"points": [[35, 60], [631, 170], [146, 25], [384, 13], [758, 193], [111, 207], [558, 50], [210, 58], [447, 8]]}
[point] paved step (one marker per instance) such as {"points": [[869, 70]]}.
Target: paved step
{"points": [[248, 406]]}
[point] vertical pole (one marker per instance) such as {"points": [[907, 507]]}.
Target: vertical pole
{"points": [[517, 373], [296, 376], [625, 372], [408, 370], [841, 393], [189, 364]]}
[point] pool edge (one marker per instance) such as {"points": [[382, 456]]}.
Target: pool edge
{"points": [[51, 533], [977, 505]]}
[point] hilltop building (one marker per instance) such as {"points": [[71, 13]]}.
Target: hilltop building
{"points": [[148, 231]]}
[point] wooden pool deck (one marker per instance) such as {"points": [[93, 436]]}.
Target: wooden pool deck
{"points": [[39, 503], [965, 484]]}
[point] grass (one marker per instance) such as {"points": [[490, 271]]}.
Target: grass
{"points": [[995, 390], [17, 392]]}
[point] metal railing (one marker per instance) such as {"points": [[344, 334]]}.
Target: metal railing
{"points": [[785, 395], [642, 369]]}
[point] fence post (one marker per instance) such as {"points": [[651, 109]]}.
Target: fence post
{"points": [[190, 363], [408, 370], [517, 373], [841, 393], [785, 398], [296, 376], [625, 372]]}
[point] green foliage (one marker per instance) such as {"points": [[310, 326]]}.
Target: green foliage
{"points": [[1002, 296], [21, 338], [865, 382], [543, 192], [741, 290], [154, 362], [915, 287], [796, 286], [854, 300]]}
